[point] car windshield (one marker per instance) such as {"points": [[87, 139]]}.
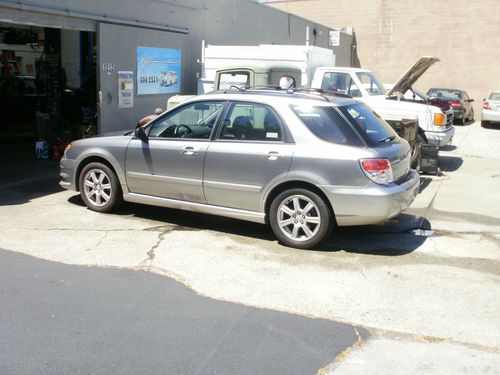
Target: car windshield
{"points": [[494, 96], [373, 128], [226, 80], [371, 84]]}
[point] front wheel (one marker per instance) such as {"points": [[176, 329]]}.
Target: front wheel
{"points": [[300, 218], [99, 187]]}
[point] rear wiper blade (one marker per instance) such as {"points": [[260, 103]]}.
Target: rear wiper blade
{"points": [[386, 139]]}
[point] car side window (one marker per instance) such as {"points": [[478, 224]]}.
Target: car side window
{"points": [[327, 124], [340, 82], [251, 122], [194, 121]]}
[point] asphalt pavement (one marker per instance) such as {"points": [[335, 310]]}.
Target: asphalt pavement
{"points": [[61, 319]]}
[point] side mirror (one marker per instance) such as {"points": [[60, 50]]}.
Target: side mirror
{"points": [[471, 100], [140, 133]]}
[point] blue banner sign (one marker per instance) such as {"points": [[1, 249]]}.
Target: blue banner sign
{"points": [[158, 71]]}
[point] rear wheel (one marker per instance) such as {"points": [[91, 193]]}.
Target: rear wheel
{"points": [[484, 124], [300, 218], [99, 187]]}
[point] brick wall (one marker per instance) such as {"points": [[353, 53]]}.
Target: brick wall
{"points": [[392, 35]]}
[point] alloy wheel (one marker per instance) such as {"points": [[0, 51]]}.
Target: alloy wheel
{"points": [[299, 218], [97, 187]]}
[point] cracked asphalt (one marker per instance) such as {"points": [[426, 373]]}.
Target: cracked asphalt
{"points": [[425, 286]]}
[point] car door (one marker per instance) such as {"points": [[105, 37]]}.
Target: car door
{"points": [[170, 163], [248, 153]]}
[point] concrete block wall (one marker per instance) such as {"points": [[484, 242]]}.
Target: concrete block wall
{"points": [[392, 35]]}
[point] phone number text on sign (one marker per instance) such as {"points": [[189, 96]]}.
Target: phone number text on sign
{"points": [[148, 79]]}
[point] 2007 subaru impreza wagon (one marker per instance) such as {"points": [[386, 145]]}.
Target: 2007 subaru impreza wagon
{"points": [[301, 161]]}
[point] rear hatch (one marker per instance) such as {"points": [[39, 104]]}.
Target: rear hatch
{"points": [[380, 137]]}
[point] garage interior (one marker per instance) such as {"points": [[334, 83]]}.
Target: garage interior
{"points": [[48, 95]]}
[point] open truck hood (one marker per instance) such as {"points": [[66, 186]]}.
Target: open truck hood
{"points": [[412, 75]]}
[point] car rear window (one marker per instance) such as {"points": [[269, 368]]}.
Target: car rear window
{"points": [[445, 94], [328, 124], [494, 96], [369, 124]]}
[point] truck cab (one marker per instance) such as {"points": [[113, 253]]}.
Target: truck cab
{"points": [[258, 73], [251, 74], [436, 122]]}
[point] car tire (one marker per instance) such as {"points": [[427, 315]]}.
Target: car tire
{"points": [[300, 218], [484, 124], [100, 188]]}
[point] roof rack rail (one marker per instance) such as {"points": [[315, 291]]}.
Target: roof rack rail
{"points": [[318, 91], [307, 92], [245, 88]]}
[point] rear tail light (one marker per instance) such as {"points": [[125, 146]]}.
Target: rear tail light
{"points": [[439, 119], [456, 105], [377, 170], [486, 105]]}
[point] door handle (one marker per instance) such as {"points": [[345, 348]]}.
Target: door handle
{"points": [[273, 155], [190, 151]]}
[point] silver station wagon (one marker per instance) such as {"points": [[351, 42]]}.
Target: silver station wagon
{"points": [[298, 160]]}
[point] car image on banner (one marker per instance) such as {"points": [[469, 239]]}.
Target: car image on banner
{"points": [[158, 71]]}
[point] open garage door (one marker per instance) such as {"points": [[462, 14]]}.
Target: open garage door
{"points": [[138, 69]]}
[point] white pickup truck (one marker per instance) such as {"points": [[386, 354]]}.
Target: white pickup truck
{"points": [[437, 122]]}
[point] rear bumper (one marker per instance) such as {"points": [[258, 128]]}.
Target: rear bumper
{"points": [[487, 115], [372, 204], [440, 138]]}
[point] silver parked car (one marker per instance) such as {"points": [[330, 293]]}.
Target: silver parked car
{"points": [[301, 162], [490, 112]]}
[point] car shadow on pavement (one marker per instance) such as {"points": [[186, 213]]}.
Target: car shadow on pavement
{"points": [[491, 126], [448, 148], [20, 192], [187, 220], [401, 235], [424, 183], [450, 163], [467, 123]]}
